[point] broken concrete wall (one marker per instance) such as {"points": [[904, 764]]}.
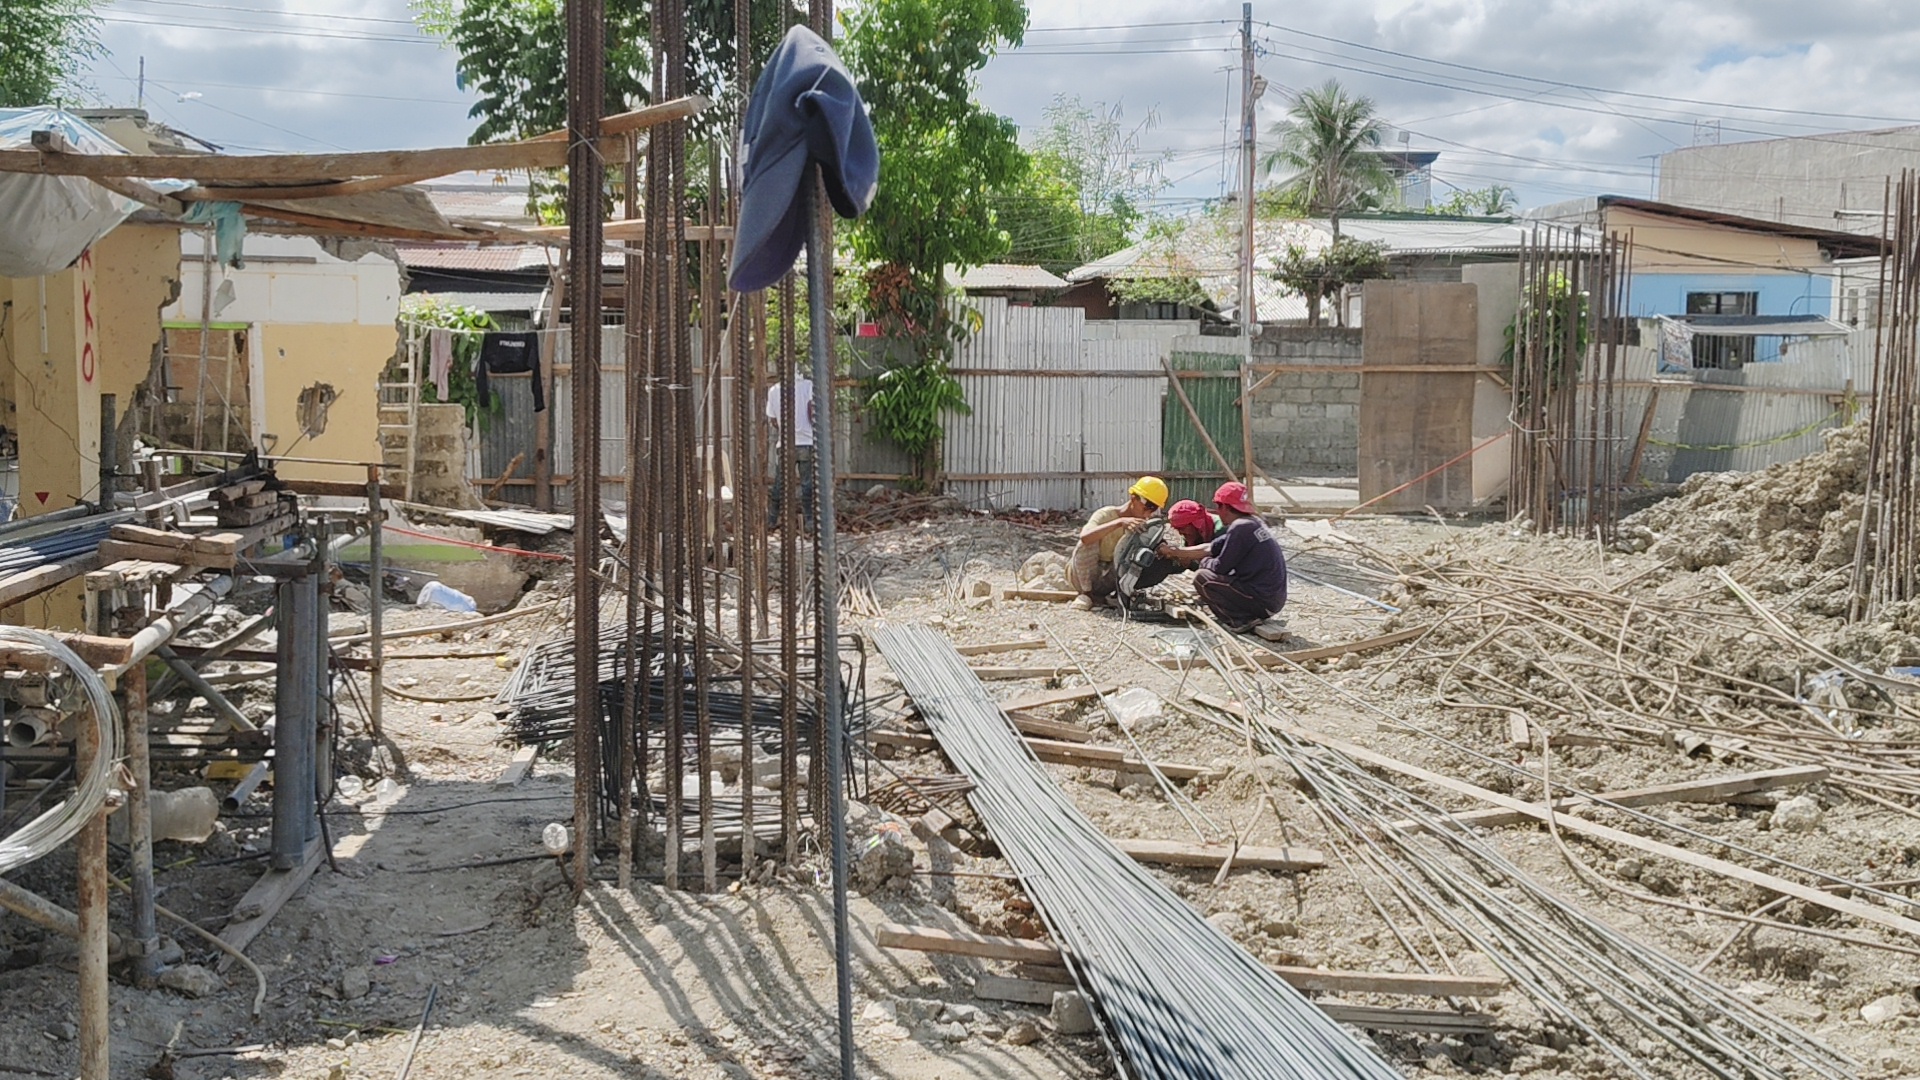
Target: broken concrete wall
{"points": [[321, 329], [1306, 422], [440, 458]]}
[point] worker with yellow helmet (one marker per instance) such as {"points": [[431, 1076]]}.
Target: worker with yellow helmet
{"points": [[1090, 570]]}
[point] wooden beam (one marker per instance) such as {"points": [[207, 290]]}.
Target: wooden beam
{"points": [[346, 489], [1021, 991], [439, 161], [263, 901], [1386, 1018], [963, 943], [129, 188], [1000, 647], [518, 768], [1018, 672], [292, 192], [1211, 856], [1059, 753], [1049, 729], [626, 229], [1567, 823], [17, 587], [340, 227], [1391, 982], [1043, 698], [638, 119], [1716, 789]]}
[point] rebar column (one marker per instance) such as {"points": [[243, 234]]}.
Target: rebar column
{"points": [[90, 857], [586, 96]]}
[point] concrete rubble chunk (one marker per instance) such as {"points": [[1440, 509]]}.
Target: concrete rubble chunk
{"points": [[1072, 1014], [192, 980]]}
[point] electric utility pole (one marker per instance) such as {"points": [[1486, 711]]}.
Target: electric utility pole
{"points": [[1247, 313]]}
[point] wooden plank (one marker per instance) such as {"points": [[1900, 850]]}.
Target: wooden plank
{"points": [[1040, 699], [1716, 789], [1049, 729], [294, 192], [1000, 647], [1059, 753], [639, 119], [346, 489], [439, 161], [518, 768], [964, 943], [263, 901], [1022, 991], [240, 490], [1772, 882], [18, 587], [205, 543], [117, 550], [1051, 596], [1391, 982], [1018, 672], [243, 517], [1211, 856], [1268, 659], [1381, 1018]]}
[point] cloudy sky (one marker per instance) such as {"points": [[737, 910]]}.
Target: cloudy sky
{"points": [[1552, 98]]}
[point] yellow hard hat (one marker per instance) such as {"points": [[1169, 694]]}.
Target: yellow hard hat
{"points": [[1151, 488]]}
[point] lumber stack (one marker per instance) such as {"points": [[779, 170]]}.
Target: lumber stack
{"points": [[248, 502], [138, 544]]}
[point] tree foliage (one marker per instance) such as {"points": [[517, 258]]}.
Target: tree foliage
{"points": [[1085, 189], [1494, 200], [426, 309], [513, 53], [941, 158], [1318, 275], [44, 46], [1328, 148]]}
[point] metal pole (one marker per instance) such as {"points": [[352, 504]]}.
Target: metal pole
{"points": [[586, 77], [206, 331], [293, 727], [819, 281], [376, 524], [90, 854], [320, 679], [109, 451], [146, 937]]}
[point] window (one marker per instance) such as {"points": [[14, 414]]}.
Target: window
{"points": [[1726, 353]]}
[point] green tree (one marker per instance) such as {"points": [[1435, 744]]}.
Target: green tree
{"points": [[1322, 274], [1085, 189], [1329, 149], [513, 54], [941, 159], [44, 45], [1494, 200]]}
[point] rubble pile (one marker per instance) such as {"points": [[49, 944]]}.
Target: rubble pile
{"points": [[1787, 528]]}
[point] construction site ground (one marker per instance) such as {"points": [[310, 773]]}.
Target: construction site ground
{"points": [[440, 882]]}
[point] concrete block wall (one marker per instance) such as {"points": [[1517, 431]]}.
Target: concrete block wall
{"points": [[1306, 423]]}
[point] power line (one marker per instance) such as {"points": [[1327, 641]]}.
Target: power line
{"points": [[277, 11], [1589, 89], [180, 24], [1125, 26], [250, 119], [314, 93]]}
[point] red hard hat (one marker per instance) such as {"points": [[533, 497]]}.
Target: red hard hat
{"points": [[1235, 495]]}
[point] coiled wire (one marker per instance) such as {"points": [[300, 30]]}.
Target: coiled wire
{"points": [[63, 821]]}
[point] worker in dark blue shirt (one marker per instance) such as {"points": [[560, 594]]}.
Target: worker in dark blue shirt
{"points": [[1243, 572]]}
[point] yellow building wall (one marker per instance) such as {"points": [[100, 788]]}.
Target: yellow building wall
{"points": [[348, 358], [1665, 245], [136, 271]]}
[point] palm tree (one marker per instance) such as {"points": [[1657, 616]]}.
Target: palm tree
{"points": [[1329, 146]]}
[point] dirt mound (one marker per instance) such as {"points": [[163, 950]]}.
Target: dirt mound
{"points": [[1787, 527]]}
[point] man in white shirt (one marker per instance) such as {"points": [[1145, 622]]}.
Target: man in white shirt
{"points": [[802, 448]]}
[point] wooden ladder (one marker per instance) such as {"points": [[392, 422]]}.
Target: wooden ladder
{"points": [[400, 408]]}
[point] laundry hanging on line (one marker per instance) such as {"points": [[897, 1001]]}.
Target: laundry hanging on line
{"points": [[509, 354]]}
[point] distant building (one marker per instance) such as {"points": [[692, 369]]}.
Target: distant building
{"points": [[1019, 284], [1835, 180]]}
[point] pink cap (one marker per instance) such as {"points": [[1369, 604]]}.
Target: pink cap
{"points": [[1185, 512], [1235, 496]]}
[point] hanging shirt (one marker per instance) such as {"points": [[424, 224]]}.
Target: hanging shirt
{"points": [[509, 354], [439, 360], [802, 410]]}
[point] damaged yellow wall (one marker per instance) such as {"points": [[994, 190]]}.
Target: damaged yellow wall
{"points": [[101, 320], [346, 359]]}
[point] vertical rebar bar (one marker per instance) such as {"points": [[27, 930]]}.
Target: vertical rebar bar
{"points": [[586, 97]]}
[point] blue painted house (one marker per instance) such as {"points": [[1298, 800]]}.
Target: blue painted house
{"points": [[1722, 274]]}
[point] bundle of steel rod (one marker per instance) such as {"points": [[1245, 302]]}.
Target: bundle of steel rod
{"points": [[30, 544], [1886, 565], [1178, 998], [1567, 339], [1443, 890]]}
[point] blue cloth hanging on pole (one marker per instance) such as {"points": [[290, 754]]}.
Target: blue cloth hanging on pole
{"points": [[229, 229]]}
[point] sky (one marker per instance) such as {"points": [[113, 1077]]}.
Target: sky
{"points": [[1554, 99]]}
